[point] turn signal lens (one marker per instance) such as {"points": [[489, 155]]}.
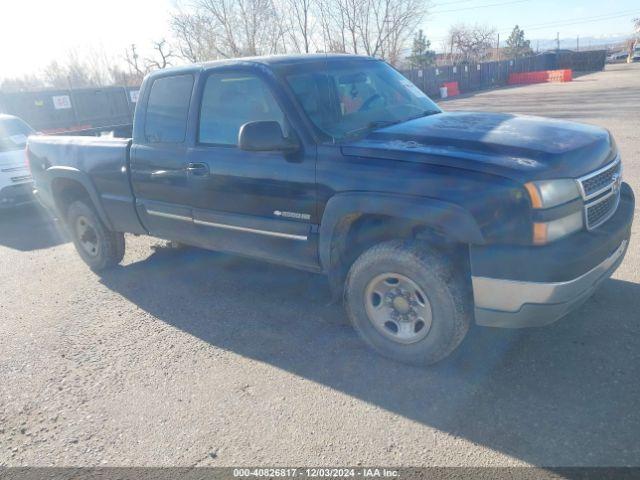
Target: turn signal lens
{"points": [[539, 233], [534, 195], [551, 193]]}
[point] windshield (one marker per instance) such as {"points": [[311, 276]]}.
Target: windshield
{"points": [[13, 134], [350, 99]]}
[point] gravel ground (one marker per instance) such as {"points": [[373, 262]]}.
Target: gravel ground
{"points": [[185, 357]]}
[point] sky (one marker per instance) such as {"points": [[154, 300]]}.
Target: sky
{"points": [[540, 19], [34, 33]]}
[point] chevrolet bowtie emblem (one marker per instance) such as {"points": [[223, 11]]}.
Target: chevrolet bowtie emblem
{"points": [[617, 182]]}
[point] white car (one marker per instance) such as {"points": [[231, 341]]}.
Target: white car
{"points": [[15, 179]]}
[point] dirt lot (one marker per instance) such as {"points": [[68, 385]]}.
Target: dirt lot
{"points": [[196, 358]]}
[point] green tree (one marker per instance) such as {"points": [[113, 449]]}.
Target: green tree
{"points": [[421, 55], [517, 45]]}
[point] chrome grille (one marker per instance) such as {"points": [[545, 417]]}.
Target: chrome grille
{"points": [[598, 212], [601, 192], [600, 181]]}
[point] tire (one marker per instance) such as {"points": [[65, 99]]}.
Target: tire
{"points": [[109, 246], [436, 295]]}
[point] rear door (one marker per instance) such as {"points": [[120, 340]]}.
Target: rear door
{"points": [[256, 203], [159, 160]]}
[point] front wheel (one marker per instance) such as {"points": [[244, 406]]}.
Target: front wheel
{"points": [[99, 247], [408, 302]]}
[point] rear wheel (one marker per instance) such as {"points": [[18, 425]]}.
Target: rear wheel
{"points": [[98, 246], [408, 302]]}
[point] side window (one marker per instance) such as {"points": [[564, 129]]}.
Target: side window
{"points": [[167, 109], [229, 101]]}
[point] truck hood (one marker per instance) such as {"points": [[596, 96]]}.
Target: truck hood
{"points": [[522, 148]]}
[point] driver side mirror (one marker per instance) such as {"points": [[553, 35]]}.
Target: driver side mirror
{"points": [[265, 136]]}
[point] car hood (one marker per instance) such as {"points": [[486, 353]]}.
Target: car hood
{"points": [[12, 158], [519, 147]]}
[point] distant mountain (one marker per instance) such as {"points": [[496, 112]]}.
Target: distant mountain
{"points": [[586, 43]]}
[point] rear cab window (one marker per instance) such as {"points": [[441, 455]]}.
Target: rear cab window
{"points": [[168, 109]]}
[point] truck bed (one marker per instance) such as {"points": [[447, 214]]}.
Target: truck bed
{"points": [[99, 164]]}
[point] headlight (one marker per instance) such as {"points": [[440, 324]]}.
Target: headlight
{"points": [[546, 232], [552, 193]]}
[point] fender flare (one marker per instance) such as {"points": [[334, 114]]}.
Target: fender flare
{"points": [[453, 220], [72, 173]]}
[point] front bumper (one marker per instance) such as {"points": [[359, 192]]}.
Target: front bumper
{"points": [[535, 286], [15, 195]]}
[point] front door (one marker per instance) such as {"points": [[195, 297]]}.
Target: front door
{"points": [[256, 203]]}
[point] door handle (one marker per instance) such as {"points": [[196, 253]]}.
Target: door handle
{"points": [[166, 174], [198, 169]]}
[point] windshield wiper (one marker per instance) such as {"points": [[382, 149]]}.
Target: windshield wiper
{"points": [[375, 124], [382, 123], [426, 113], [371, 126], [387, 123]]}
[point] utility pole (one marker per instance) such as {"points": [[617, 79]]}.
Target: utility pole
{"points": [[578, 43], [451, 52], [557, 42], [134, 54], [132, 60], [538, 46], [498, 48]]}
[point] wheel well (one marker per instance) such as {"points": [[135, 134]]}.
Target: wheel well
{"points": [[66, 191], [356, 233]]}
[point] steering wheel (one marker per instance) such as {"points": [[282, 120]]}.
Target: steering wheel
{"points": [[366, 105]]}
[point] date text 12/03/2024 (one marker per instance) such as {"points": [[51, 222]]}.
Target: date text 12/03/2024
{"points": [[315, 472]]}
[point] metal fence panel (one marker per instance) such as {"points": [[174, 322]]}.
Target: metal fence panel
{"points": [[54, 110], [473, 76], [42, 110]]}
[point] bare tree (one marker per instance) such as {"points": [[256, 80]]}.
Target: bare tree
{"points": [[471, 42], [332, 25], [162, 58], [97, 63], [379, 28], [93, 67], [132, 59], [395, 23], [352, 13], [195, 39], [121, 76], [228, 28], [77, 72], [236, 28], [299, 23], [22, 84]]}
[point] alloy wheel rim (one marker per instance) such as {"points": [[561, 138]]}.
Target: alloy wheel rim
{"points": [[398, 308]]}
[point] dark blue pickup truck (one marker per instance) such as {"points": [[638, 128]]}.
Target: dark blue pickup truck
{"points": [[423, 221]]}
